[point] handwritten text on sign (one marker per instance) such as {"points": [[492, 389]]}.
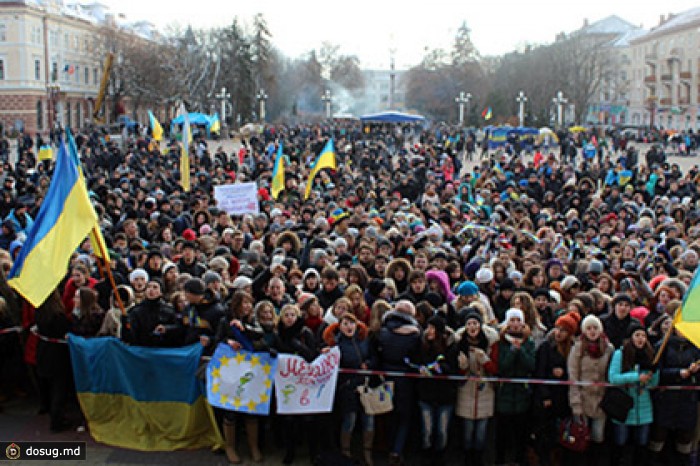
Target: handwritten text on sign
{"points": [[238, 198], [304, 387]]}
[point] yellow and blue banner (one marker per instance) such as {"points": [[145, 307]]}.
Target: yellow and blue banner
{"points": [[156, 128], [45, 153], [146, 399], [240, 380], [99, 246], [278, 173], [326, 159], [215, 126], [65, 218]]}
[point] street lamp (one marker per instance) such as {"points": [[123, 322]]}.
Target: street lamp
{"points": [[521, 99], [223, 95], [53, 91], [262, 97], [327, 99], [559, 100], [463, 98]]}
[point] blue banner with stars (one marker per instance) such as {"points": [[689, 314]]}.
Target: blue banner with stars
{"points": [[240, 380]]}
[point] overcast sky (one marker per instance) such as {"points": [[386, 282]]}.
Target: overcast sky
{"points": [[370, 28]]}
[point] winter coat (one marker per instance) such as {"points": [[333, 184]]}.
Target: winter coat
{"points": [[582, 367], [616, 329], [514, 398], [354, 352], [52, 358], [203, 319], [476, 400], [444, 283], [145, 317], [297, 339], [438, 392], [642, 411], [399, 339], [677, 409], [550, 358], [251, 331]]}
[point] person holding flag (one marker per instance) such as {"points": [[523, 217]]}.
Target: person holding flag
{"points": [[326, 159]]}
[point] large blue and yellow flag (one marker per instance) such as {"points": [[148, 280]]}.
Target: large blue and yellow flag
{"points": [[278, 173], [65, 218], [687, 318], [240, 380], [156, 128], [145, 399], [99, 246], [326, 159]]}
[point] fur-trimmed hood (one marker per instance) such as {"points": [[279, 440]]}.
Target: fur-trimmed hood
{"points": [[399, 322], [331, 332], [397, 263], [491, 333], [291, 237]]}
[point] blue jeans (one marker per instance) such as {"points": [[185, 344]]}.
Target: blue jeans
{"points": [[435, 419], [640, 434], [475, 434], [350, 418]]}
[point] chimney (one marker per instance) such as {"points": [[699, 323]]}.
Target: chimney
{"points": [[661, 20]]}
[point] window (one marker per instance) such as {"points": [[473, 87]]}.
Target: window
{"points": [[37, 69], [53, 38], [2, 68], [54, 72], [77, 74], [3, 32], [77, 114], [66, 41], [623, 75], [94, 76], [39, 115], [87, 75]]}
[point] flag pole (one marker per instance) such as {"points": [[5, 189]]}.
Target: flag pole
{"points": [[108, 268], [667, 337]]}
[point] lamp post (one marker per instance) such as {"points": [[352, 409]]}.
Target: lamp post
{"points": [[53, 91], [463, 98], [328, 100], [262, 97], [559, 101], [521, 99], [223, 96]]}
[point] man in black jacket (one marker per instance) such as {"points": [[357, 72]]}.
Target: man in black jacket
{"points": [[202, 314], [618, 320], [153, 322]]}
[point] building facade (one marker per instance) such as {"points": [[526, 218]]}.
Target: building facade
{"points": [[51, 63], [666, 67]]}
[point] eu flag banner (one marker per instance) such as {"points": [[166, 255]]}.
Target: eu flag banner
{"points": [[240, 380], [146, 399]]}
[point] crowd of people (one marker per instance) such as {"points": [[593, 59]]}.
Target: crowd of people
{"points": [[412, 256]]}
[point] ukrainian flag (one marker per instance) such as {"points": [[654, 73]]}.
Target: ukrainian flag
{"points": [[278, 173], [215, 126], [687, 318], [45, 153], [185, 152], [99, 246], [326, 159], [146, 399], [64, 220], [156, 128]]}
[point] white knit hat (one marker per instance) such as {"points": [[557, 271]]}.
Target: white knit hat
{"points": [[514, 312], [591, 320]]}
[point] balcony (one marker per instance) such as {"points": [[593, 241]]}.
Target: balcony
{"points": [[667, 77], [684, 101], [686, 75], [651, 79], [665, 101]]}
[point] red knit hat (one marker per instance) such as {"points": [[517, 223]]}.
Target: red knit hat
{"points": [[569, 322]]}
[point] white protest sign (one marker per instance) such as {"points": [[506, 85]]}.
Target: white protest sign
{"points": [[238, 198], [304, 387]]}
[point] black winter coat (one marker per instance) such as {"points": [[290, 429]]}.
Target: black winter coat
{"points": [[677, 409], [145, 317], [548, 359]]}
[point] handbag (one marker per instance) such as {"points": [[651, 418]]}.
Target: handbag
{"points": [[377, 400], [616, 403], [574, 434]]}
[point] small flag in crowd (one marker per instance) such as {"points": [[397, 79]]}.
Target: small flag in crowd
{"points": [[487, 113], [185, 151], [278, 173], [156, 128], [326, 159], [45, 153], [215, 126], [240, 380]]}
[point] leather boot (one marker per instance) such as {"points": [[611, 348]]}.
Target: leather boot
{"points": [[230, 437], [367, 444], [252, 428], [345, 443]]}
